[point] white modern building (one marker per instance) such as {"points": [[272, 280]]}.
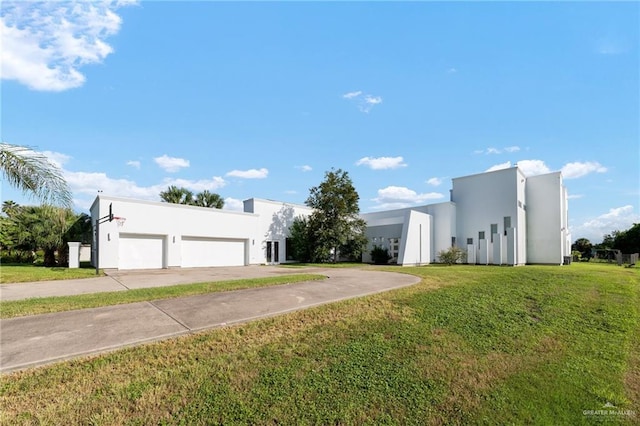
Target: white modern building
{"points": [[499, 217]]}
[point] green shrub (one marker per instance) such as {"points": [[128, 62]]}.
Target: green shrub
{"points": [[380, 255], [452, 255]]}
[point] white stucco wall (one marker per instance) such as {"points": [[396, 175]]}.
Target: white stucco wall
{"points": [[443, 227], [546, 217], [274, 220], [168, 222], [485, 199], [416, 235]]}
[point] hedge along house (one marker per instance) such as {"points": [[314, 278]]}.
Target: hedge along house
{"points": [[499, 217]]}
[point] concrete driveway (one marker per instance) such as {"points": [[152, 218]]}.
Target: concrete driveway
{"points": [[41, 339]]}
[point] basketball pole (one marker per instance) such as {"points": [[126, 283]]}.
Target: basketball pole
{"points": [[100, 221]]}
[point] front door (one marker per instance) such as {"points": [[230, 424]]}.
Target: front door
{"points": [[273, 252]]}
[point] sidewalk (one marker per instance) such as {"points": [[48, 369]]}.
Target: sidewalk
{"points": [[41, 339]]}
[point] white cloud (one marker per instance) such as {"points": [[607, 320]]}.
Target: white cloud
{"points": [[533, 167], [304, 168], [538, 167], [372, 100], [171, 164], [575, 196], [577, 169], [133, 163], [381, 163], [435, 181], [364, 102], [85, 186], [493, 150], [500, 166], [452, 70], [399, 197], [616, 219], [249, 174], [44, 44], [233, 204], [56, 158], [290, 192], [351, 95]]}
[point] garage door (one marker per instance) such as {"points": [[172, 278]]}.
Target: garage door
{"points": [[141, 251], [200, 252]]}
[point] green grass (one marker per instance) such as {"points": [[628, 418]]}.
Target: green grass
{"points": [[324, 265], [467, 345], [43, 305], [20, 273]]}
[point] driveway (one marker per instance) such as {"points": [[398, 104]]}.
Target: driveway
{"points": [[41, 339]]}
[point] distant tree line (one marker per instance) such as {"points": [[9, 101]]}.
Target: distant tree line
{"points": [[627, 242]]}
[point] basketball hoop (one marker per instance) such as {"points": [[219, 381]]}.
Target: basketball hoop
{"points": [[120, 220]]}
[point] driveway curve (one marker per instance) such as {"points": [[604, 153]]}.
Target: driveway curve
{"points": [[41, 339]]}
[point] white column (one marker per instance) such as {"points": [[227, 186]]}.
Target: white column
{"points": [[74, 255]]}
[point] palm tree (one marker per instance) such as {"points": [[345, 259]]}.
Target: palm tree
{"points": [[9, 207], [209, 199], [34, 174], [176, 195]]}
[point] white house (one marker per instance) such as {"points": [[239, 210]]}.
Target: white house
{"points": [[499, 217]]}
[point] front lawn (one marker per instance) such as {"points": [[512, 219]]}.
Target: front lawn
{"points": [[467, 345], [21, 273]]}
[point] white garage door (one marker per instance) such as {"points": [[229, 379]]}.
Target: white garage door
{"points": [[200, 252], [141, 251]]}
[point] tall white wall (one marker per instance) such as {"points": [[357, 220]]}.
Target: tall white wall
{"points": [[416, 234], [485, 199], [171, 222], [274, 220], [381, 226], [444, 226], [546, 219]]}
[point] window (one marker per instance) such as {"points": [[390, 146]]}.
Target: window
{"points": [[481, 235], [453, 241], [394, 248], [507, 224], [469, 240], [494, 230]]}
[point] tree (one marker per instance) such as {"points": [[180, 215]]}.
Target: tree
{"points": [[43, 227], [176, 195], [628, 241], [302, 241], [10, 208], [584, 246], [209, 199], [33, 173], [380, 255], [335, 222]]}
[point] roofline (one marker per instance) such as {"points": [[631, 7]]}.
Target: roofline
{"points": [[165, 204]]}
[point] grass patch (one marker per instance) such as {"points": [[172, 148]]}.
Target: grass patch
{"points": [[22, 273], [323, 265], [44, 305], [467, 345]]}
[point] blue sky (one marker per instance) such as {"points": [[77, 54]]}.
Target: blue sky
{"points": [[259, 100]]}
